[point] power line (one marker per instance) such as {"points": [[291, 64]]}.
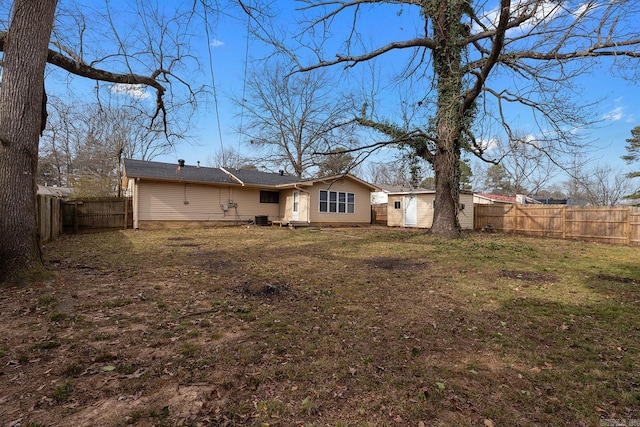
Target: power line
{"points": [[213, 79], [244, 80]]}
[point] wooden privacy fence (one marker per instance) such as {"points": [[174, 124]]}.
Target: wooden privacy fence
{"points": [[619, 225], [96, 214], [379, 214], [57, 216], [49, 218]]}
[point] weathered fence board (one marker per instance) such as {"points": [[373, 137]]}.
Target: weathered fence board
{"points": [[91, 215], [613, 225], [49, 218], [379, 214]]}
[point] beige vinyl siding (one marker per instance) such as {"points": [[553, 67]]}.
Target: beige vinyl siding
{"points": [[166, 202], [309, 210], [286, 200], [362, 210]]}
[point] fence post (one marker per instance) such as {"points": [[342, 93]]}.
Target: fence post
{"points": [[514, 221], [75, 218], [627, 234], [126, 205], [564, 222]]}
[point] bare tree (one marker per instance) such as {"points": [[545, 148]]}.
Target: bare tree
{"points": [[151, 54], [604, 186], [293, 118], [527, 163], [404, 170], [232, 158], [458, 49], [84, 143], [337, 162]]}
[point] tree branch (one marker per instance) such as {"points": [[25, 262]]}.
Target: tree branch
{"points": [[76, 66]]}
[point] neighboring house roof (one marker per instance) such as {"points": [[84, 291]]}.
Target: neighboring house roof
{"points": [[551, 201], [230, 176], [496, 198], [54, 191]]}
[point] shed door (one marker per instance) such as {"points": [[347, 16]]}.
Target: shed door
{"points": [[295, 211], [410, 211]]}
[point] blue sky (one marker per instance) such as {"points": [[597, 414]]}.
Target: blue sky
{"points": [[617, 107]]}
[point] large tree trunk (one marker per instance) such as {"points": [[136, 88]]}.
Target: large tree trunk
{"points": [[21, 95], [445, 216], [447, 57]]}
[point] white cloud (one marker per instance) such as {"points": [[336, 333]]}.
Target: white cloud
{"points": [[488, 145], [583, 9], [544, 11], [133, 90], [615, 115], [217, 43]]}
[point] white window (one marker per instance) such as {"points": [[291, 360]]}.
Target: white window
{"points": [[337, 202]]}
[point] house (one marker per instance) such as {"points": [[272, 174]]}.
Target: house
{"points": [[493, 199], [415, 209], [167, 194]]}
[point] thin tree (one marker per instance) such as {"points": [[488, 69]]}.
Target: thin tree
{"points": [[292, 118], [604, 186], [526, 162], [458, 50], [27, 47]]}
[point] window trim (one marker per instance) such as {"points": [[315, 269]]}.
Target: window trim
{"points": [[265, 196], [337, 202]]}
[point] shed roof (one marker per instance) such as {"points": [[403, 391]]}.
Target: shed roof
{"points": [[398, 188], [423, 191], [497, 198]]}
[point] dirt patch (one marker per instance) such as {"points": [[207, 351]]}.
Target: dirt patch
{"points": [[617, 279], [259, 288], [527, 276]]}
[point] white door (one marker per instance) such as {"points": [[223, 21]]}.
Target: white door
{"points": [[295, 209], [410, 211]]}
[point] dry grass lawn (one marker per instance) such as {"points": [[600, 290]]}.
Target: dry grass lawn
{"points": [[266, 326]]}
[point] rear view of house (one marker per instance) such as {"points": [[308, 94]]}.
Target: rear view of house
{"points": [[179, 195]]}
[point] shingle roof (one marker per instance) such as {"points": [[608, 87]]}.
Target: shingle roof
{"points": [[170, 171], [253, 177]]}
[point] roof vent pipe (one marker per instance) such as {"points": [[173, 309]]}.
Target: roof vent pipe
{"points": [[181, 163], [198, 164], [281, 172]]}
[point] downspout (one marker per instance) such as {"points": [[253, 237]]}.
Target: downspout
{"points": [[308, 200], [136, 205]]}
